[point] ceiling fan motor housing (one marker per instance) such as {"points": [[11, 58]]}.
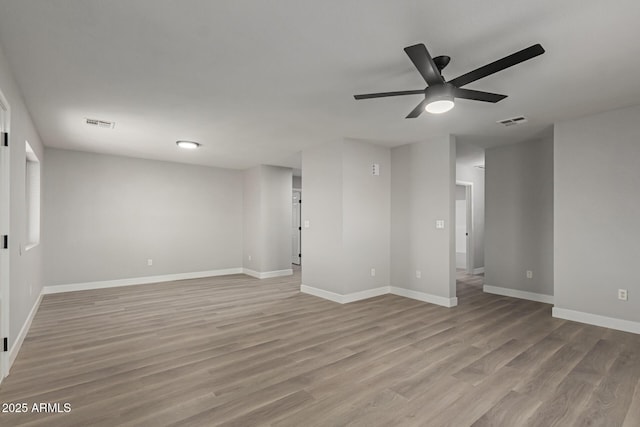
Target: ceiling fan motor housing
{"points": [[441, 61]]}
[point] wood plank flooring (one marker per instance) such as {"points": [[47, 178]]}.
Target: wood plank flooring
{"points": [[237, 351]]}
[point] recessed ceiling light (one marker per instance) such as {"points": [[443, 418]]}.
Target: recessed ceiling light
{"points": [[188, 145]]}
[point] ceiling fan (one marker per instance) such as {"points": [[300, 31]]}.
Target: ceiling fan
{"points": [[439, 93]]}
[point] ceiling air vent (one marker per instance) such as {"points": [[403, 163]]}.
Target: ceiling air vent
{"points": [[512, 121], [101, 123]]}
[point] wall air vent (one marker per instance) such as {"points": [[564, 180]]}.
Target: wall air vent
{"points": [[101, 123], [513, 121]]}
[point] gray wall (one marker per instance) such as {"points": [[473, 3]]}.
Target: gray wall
{"points": [[252, 231], [349, 212], [322, 206], [276, 194], [476, 176], [25, 266], [597, 212], [297, 182], [519, 216], [423, 191], [267, 218], [104, 216], [366, 215]]}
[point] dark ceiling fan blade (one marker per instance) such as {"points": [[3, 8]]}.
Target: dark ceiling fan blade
{"points": [[418, 110], [477, 95], [499, 65], [385, 94], [421, 58]]}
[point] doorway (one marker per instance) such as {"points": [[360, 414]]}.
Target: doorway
{"points": [[464, 226], [296, 228], [461, 227], [4, 231]]}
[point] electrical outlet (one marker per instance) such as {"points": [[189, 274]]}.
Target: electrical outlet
{"points": [[149, 262], [418, 274], [622, 294], [373, 272], [529, 274]]}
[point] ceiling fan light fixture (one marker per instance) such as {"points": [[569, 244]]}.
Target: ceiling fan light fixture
{"points": [[188, 145], [439, 93], [439, 106]]}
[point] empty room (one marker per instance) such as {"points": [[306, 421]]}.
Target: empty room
{"points": [[305, 213]]}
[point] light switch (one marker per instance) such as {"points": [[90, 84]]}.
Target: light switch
{"points": [[306, 223], [440, 224], [375, 169]]}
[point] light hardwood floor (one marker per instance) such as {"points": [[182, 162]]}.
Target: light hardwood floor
{"points": [[240, 351]]}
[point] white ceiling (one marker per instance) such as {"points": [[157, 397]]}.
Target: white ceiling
{"points": [[258, 81]]}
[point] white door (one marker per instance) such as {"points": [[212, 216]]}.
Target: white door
{"points": [[4, 230], [296, 229]]}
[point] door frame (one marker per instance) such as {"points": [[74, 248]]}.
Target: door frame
{"points": [[299, 191], [5, 188], [470, 242]]}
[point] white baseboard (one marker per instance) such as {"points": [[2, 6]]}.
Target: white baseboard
{"points": [[370, 293], [316, 292], [267, 274], [423, 296], [17, 342], [597, 320], [346, 298], [478, 270], [514, 293], [54, 289]]}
